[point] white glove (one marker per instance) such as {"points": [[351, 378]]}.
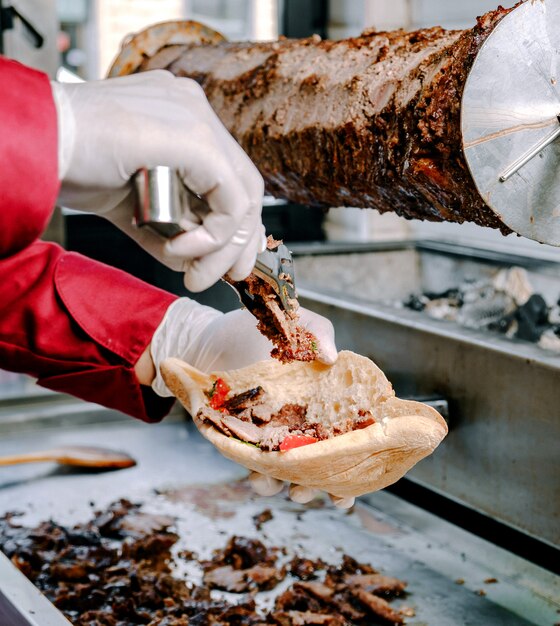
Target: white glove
{"points": [[110, 129], [210, 340], [268, 486]]}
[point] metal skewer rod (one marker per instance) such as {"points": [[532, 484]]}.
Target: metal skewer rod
{"points": [[531, 154]]}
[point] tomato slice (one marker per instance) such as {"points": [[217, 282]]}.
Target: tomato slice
{"points": [[296, 441], [219, 393]]}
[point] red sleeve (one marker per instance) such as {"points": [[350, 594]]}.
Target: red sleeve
{"points": [[77, 325]]}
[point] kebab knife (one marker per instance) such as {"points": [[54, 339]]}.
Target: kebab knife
{"points": [[168, 207]]}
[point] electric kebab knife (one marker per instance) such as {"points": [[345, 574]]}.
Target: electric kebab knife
{"points": [[168, 207]]}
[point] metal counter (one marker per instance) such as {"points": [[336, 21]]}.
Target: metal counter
{"points": [[501, 455], [392, 535]]}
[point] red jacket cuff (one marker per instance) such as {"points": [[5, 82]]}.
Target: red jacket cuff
{"points": [[114, 387], [29, 155], [120, 313]]}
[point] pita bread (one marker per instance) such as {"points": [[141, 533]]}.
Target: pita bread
{"points": [[351, 464]]}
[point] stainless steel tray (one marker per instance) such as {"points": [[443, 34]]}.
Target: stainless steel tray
{"points": [[21, 603], [391, 534], [501, 455]]}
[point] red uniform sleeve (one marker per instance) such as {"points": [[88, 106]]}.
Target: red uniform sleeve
{"points": [[77, 325]]}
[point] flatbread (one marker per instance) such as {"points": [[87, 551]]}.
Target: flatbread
{"points": [[351, 464]]}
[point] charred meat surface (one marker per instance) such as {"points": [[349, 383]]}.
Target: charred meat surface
{"points": [[305, 569], [116, 570], [370, 122], [243, 401]]}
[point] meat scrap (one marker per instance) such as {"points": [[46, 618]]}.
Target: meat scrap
{"points": [[243, 401], [376, 583], [378, 606], [262, 518], [243, 565], [305, 569], [316, 589], [301, 618], [291, 341], [116, 570], [258, 577]]}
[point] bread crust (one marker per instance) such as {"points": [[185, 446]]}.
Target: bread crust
{"points": [[351, 464]]}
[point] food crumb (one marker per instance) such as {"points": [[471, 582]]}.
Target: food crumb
{"points": [[460, 581], [480, 592], [188, 555], [491, 581], [407, 611], [262, 518]]}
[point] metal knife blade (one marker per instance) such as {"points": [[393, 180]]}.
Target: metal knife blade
{"points": [[169, 208]]}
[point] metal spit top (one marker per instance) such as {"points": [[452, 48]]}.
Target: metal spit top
{"points": [[511, 120]]}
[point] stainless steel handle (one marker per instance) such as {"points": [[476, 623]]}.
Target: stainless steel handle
{"points": [[165, 204]]}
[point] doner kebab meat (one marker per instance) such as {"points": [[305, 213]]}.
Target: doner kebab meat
{"points": [[372, 121]]}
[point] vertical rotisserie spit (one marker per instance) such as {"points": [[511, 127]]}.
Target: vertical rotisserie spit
{"points": [[373, 121]]}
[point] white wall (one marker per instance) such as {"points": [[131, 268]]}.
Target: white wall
{"points": [[451, 14], [111, 21]]}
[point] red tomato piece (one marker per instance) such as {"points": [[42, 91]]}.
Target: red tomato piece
{"points": [[219, 394], [296, 441]]}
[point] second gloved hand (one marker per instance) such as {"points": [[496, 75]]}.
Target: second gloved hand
{"points": [[109, 129], [212, 341]]}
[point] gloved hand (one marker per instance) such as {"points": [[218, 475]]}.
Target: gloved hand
{"points": [[210, 340], [110, 129], [268, 486]]}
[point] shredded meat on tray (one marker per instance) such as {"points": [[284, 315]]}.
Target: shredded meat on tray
{"points": [[115, 570]]}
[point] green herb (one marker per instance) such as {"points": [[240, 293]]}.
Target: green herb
{"points": [[212, 391], [253, 445], [314, 346]]}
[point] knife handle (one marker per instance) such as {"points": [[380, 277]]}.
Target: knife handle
{"points": [[165, 204]]}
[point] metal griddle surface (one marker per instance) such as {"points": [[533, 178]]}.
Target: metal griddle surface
{"points": [[173, 457]]}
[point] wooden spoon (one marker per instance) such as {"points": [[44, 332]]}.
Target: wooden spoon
{"points": [[75, 456]]}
